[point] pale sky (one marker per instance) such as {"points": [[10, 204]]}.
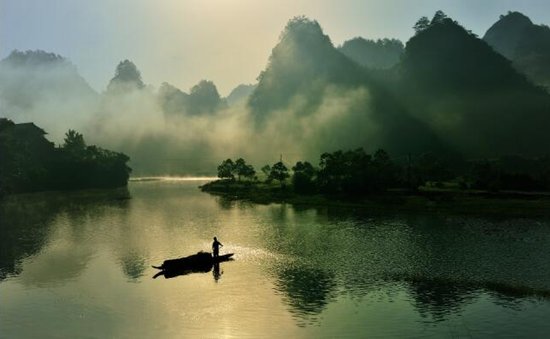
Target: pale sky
{"points": [[226, 41]]}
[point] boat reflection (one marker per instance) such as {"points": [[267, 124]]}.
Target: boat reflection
{"points": [[205, 268]]}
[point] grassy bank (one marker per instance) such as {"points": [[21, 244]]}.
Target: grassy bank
{"points": [[509, 203]]}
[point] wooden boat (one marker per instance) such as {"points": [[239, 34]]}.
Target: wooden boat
{"points": [[202, 261]]}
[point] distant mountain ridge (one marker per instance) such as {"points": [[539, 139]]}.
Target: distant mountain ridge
{"points": [[471, 95], [516, 37]]}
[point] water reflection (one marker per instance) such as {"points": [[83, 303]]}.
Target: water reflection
{"points": [[205, 268], [301, 264], [307, 291], [47, 229], [437, 300], [134, 266]]}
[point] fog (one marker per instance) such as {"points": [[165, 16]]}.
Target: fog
{"points": [[311, 98]]}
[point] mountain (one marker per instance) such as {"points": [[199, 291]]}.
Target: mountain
{"points": [[127, 78], [240, 93], [470, 95], [304, 61], [42, 87], [203, 98], [528, 45], [381, 53], [321, 94]]}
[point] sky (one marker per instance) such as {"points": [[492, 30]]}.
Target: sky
{"points": [[226, 41]]}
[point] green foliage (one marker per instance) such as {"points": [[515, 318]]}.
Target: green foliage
{"points": [[243, 170], [266, 170], [32, 163], [356, 172], [303, 178], [226, 170], [421, 24], [74, 143], [279, 172]]}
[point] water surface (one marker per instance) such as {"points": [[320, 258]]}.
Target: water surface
{"points": [[78, 265]]}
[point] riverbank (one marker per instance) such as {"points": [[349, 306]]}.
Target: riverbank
{"points": [[505, 203]]}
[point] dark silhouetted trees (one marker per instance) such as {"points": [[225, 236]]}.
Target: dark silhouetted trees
{"points": [[31, 163], [279, 172], [356, 172], [229, 169], [421, 24], [303, 178], [243, 170], [226, 170]]}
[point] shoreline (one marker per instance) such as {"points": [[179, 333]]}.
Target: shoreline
{"points": [[505, 203]]}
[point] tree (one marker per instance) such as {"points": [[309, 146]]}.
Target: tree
{"points": [[243, 170], [279, 172], [439, 16], [266, 170], [239, 168], [302, 180], [385, 171], [226, 170], [249, 172], [421, 24], [74, 143]]}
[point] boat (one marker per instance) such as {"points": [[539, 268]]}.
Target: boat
{"points": [[201, 262]]}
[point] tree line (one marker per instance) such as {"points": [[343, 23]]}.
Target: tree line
{"points": [[32, 163], [355, 172]]}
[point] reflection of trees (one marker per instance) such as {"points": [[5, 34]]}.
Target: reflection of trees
{"points": [[23, 229], [133, 265], [307, 291], [440, 299], [26, 225]]}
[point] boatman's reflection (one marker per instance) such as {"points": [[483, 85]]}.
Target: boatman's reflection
{"points": [[216, 272]]}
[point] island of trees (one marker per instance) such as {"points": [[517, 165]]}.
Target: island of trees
{"points": [[355, 175], [32, 163]]}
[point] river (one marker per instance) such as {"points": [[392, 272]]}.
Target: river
{"points": [[78, 265]]}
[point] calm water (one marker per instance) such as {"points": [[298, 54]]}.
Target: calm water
{"points": [[79, 266]]}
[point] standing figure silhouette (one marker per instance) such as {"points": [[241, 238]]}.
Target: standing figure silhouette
{"points": [[216, 247]]}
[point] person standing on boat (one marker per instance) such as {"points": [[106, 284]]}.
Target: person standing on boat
{"points": [[216, 247]]}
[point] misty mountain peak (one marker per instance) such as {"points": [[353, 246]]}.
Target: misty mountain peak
{"points": [[302, 63], [127, 75], [505, 34], [34, 58], [304, 31]]}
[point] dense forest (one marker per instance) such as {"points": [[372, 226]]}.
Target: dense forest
{"points": [[357, 173], [445, 92], [32, 163]]}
